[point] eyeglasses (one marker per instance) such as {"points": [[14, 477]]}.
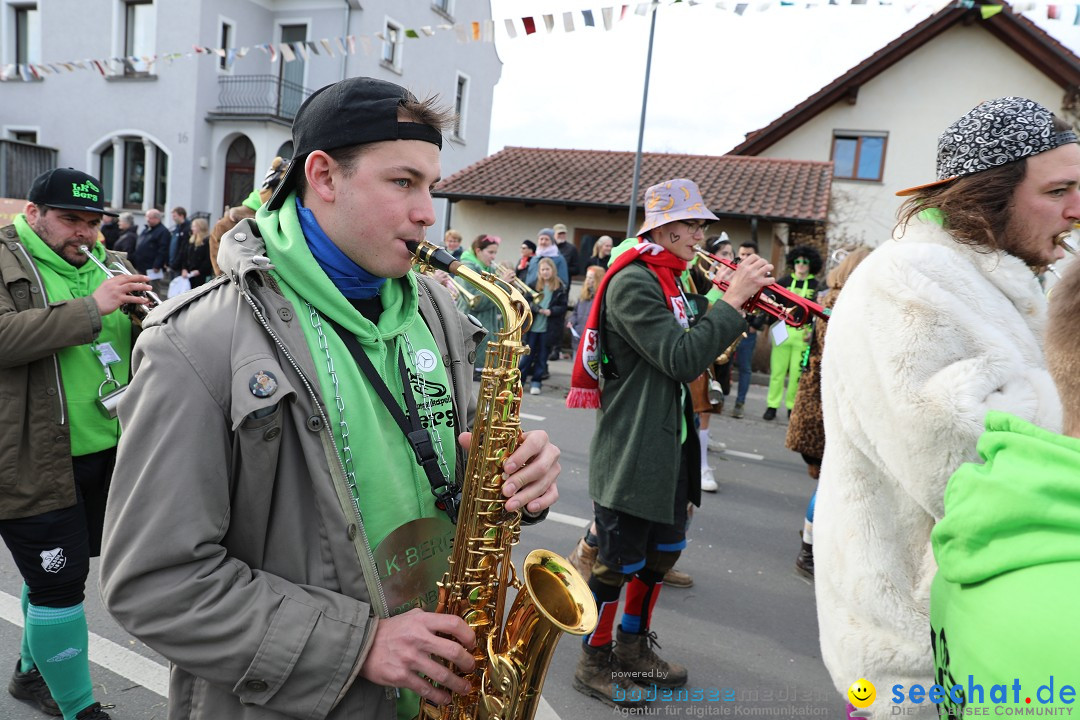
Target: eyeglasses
{"points": [[696, 227], [801, 261]]}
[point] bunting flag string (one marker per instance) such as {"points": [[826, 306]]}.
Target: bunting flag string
{"points": [[484, 31]]}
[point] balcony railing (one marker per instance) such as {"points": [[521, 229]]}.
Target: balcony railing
{"points": [[259, 95]]}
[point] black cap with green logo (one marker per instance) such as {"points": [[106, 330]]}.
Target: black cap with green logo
{"points": [[68, 189]]}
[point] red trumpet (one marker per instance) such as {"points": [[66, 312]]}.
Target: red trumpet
{"points": [[773, 300]]}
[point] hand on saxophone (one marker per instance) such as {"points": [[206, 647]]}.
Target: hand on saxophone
{"points": [[753, 274], [119, 290], [408, 652], [529, 472]]}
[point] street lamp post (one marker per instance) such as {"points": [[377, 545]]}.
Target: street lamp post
{"points": [[631, 221]]}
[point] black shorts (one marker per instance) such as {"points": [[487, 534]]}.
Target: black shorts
{"points": [[53, 550], [626, 540]]}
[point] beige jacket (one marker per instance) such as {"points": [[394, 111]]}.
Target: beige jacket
{"points": [[230, 546]]}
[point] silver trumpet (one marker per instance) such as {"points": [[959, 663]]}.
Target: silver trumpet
{"points": [[119, 269], [532, 294], [1065, 241]]}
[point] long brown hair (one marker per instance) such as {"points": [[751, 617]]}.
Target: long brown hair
{"points": [[597, 273]]}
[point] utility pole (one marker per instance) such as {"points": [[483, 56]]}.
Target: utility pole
{"points": [[632, 219]]}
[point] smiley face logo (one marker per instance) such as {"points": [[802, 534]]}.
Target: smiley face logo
{"points": [[862, 693]]}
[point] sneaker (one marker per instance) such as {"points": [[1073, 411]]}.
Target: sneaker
{"points": [[738, 411], [534, 390], [30, 687], [708, 481], [94, 712], [583, 557], [677, 578], [770, 414]]}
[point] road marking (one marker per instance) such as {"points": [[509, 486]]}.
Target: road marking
{"points": [[568, 519], [745, 455], [104, 652], [144, 671], [537, 418]]}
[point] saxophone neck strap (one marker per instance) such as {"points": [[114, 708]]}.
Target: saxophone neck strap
{"points": [[447, 493]]}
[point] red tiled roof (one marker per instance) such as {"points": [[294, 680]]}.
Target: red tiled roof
{"points": [[747, 187], [1028, 40]]}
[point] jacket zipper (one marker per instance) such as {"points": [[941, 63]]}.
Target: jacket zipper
{"points": [[56, 361], [380, 600]]}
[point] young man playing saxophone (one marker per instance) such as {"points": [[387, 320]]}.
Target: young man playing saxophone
{"points": [[269, 533]]}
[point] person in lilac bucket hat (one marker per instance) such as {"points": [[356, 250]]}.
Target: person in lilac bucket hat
{"points": [[643, 342]]}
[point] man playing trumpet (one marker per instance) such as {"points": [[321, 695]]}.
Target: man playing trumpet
{"points": [[62, 346]]}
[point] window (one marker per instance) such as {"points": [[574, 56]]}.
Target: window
{"points": [[140, 28], [291, 74], [26, 136], [859, 155], [138, 179], [393, 38], [225, 62], [461, 104], [443, 7], [27, 34]]}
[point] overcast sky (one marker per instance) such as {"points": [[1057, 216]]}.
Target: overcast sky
{"points": [[715, 75]]}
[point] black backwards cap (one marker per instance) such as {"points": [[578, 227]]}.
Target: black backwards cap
{"points": [[354, 111], [68, 189]]}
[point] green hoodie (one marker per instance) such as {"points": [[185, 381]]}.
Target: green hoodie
{"points": [[1003, 603], [80, 369], [391, 488]]}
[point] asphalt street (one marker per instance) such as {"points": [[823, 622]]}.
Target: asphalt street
{"points": [[746, 630]]}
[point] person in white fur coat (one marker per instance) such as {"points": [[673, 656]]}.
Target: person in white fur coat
{"points": [[939, 325]]}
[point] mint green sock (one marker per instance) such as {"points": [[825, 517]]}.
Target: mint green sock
{"points": [[58, 639], [26, 659]]}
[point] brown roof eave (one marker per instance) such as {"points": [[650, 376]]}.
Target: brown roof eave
{"points": [[456, 197]]}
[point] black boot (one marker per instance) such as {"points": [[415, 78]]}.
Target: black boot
{"points": [[770, 413], [804, 563]]}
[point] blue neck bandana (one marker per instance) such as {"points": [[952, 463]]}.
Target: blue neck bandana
{"points": [[353, 281]]}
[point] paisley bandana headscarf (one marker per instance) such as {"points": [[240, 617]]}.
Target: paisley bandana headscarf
{"points": [[995, 133]]}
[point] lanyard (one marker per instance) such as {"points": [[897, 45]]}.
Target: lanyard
{"points": [[447, 493]]}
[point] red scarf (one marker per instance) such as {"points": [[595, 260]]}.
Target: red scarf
{"points": [[585, 380]]}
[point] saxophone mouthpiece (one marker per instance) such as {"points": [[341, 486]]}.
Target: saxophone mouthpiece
{"points": [[427, 254]]}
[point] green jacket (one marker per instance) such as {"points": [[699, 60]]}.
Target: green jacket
{"points": [[1008, 554], [649, 357], [35, 430]]}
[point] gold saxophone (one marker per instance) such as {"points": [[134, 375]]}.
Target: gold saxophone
{"points": [[512, 657]]}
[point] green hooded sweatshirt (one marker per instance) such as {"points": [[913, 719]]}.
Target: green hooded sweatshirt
{"points": [[1003, 603], [81, 372], [391, 489]]}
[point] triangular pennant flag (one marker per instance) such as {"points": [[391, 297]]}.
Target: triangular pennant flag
{"points": [[530, 25], [129, 65], [989, 11], [230, 58], [326, 46], [410, 33], [549, 22], [511, 30], [310, 44], [487, 31], [352, 44], [341, 46], [568, 22], [273, 52], [589, 22], [99, 67], [287, 53], [462, 35], [1053, 12], [220, 52], [301, 49], [427, 30], [33, 72], [740, 8], [642, 9], [1076, 20], [607, 13], [242, 52], [622, 13], [365, 45]]}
